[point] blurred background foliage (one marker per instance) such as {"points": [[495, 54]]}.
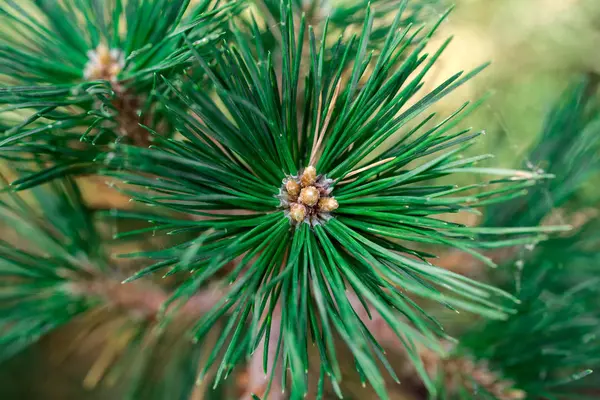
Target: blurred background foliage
{"points": [[537, 47]]}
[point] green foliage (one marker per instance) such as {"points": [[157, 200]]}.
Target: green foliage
{"points": [[48, 250], [247, 123], [552, 342], [568, 148], [48, 47], [228, 172], [49, 41], [49, 256], [349, 16]]}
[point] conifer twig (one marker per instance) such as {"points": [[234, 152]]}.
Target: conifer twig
{"points": [[146, 299]]}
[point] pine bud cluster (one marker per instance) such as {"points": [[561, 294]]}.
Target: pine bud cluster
{"points": [[307, 197]]}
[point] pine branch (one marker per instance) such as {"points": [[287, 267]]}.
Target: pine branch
{"points": [[549, 347], [55, 273], [556, 326], [307, 235], [78, 71], [143, 299], [293, 225]]}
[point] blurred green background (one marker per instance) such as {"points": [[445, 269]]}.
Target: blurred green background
{"points": [[536, 48]]}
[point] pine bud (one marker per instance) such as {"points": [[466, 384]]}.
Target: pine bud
{"points": [[309, 176], [292, 187], [103, 54], [297, 212], [309, 196], [104, 63], [328, 204]]}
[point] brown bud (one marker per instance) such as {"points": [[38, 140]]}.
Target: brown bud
{"points": [[103, 54], [328, 204], [292, 187], [297, 212], [309, 196], [309, 176], [104, 63]]}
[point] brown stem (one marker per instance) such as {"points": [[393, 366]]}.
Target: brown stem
{"points": [[128, 119], [145, 299]]}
